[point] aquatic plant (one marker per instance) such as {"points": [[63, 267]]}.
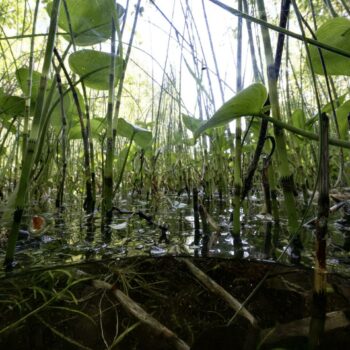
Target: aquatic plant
{"points": [[89, 115]]}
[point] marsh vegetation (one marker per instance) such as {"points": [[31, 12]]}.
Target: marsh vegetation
{"points": [[174, 129]]}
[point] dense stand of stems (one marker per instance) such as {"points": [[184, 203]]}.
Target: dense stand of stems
{"points": [[88, 203], [23, 186]]}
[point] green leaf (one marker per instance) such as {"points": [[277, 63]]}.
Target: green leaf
{"points": [[94, 66], [310, 122], [248, 102], [335, 32], [337, 102], [91, 21], [120, 160], [12, 105], [299, 121], [298, 118], [68, 106], [22, 75], [342, 116], [7, 123], [142, 137], [97, 127], [192, 123], [75, 132]]}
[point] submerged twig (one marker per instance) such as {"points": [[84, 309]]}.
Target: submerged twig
{"points": [[138, 312], [219, 291]]}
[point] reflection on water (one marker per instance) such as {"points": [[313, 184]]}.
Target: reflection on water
{"points": [[72, 236]]}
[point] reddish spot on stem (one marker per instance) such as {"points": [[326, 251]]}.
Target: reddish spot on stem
{"points": [[38, 222]]}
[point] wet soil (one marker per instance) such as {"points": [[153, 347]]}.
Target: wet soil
{"points": [[61, 309]]}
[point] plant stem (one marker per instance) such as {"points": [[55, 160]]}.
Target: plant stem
{"points": [[23, 186], [90, 200], [108, 166], [265, 24], [120, 177], [285, 173], [320, 283], [88, 203], [238, 146], [257, 74], [60, 189], [29, 83]]}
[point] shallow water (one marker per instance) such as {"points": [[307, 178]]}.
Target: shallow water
{"points": [[72, 236]]}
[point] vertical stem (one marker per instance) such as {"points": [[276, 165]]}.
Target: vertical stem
{"points": [[60, 190], [90, 199], [281, 148], [120, 177], [274, 192], [213, 52], [157, 115], [319, 297], [108, 168], [285, 5], [284, 13], [87, 132], [88, 203], [257, 75], [126, 60], [330, 7], [266, 185], [238, 146], [123, 72], [346, 6], [22, 190], [196, 216], [206, 231], [29, 84], [248, 179]]}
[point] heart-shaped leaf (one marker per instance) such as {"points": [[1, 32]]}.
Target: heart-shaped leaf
{"points": [[248, 102], [97, 126], [22, 75], [142, 137], [90, 20], [94, 66], [12, 105], [191, 123], [335, 32]]}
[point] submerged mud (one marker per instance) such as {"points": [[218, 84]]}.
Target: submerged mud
{"points": [[61, 309]]}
